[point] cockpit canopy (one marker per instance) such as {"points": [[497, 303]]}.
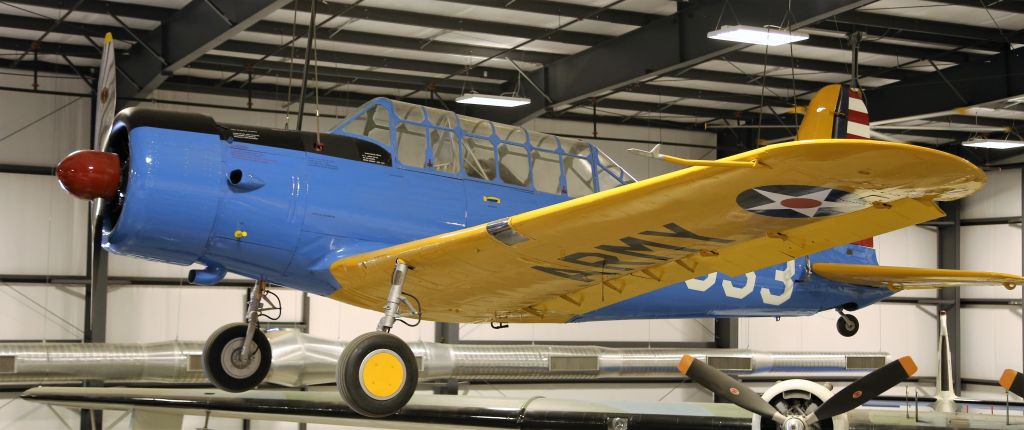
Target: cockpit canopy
{"points": [[424, 138]]}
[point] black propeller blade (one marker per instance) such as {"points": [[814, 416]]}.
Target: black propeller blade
{"points": [[1013, 381], [728, 388], [864, 389]]}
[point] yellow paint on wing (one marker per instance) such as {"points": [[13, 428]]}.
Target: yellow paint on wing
{"points": [[470, 276], [911, 278]]}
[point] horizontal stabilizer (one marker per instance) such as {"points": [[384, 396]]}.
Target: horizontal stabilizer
{"points": [[910, 278]]}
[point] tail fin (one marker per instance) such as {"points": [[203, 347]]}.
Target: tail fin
{"points": [[836, 112]]}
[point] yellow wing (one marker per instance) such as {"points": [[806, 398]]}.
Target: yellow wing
{"points": [[553, 263], [909, 278]]}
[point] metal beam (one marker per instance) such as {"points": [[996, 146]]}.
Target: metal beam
{"points": [[727, 333], [372, 60], [667, 45], [573, 10], [949, 258], [1000, 5], [838, 67], [126, 10], [880, 34], [343, 75], [929, 27], [879, 47], [270, 92], [969, 84], [447, 21], [447, 333], [400, 42], [26, 170], [185, 36]]}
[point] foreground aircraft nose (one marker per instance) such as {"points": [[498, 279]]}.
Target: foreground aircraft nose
{"points": [[90, 174]]}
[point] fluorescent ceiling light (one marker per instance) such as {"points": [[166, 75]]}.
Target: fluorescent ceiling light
{"points": [[993, 143], [489, 100], [757, 35]]}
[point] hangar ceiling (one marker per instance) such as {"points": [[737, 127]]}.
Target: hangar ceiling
{"points": [[642, 62]]}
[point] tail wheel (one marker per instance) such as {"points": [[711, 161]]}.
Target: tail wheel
{"points": [[223, 363], [848, 325], [377, 374]]}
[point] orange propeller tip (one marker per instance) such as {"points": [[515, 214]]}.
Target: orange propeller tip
{"points": [[908, 365], [685, 363], [1006, 381]]}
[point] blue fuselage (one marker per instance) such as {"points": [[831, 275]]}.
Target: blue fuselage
{"points": [[275, 205]]}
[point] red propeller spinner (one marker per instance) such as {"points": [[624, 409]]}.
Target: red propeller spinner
{"points": [[88, 174]]}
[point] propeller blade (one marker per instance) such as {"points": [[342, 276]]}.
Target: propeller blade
{"points": [[727, 388], [864, 389], [1013, 381]]}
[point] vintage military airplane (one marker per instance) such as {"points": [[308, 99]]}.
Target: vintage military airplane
{"points": [[438, 216]]}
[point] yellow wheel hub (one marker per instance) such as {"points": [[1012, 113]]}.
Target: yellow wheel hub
{"points": [[382, 374]]}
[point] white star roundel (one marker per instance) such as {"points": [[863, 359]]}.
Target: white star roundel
{"points": [[798, 201]]}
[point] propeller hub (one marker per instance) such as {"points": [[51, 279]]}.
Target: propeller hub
{"points": [[89, 174], [794, 423]]}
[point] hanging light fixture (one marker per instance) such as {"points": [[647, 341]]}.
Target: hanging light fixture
{"points": [[492, 100], [981, 142], [757, 35]]}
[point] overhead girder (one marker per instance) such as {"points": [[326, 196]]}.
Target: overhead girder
{"points": [[124, 10], [449, 22], [400, 42], [815, 65], [929, 27], [1005, 6], [569, 10], [662, 47], [341, 75], [882, 33], [969, 84], [370, 60], [185, 36]]}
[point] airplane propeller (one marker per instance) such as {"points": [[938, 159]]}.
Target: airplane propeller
{"points": [[1013, 381], [847, 399]]}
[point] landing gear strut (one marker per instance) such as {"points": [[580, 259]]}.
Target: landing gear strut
{"points": [[377, 372], [237, 356], [847, 324]]}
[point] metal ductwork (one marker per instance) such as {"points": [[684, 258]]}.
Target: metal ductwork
{"points": [[301, 359], [42, 363]]}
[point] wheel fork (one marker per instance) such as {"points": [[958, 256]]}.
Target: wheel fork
{"points": [[391, 307], [252, 318]]}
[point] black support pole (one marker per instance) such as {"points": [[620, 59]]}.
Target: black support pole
{"points": [[305, 66], [447, 333]]}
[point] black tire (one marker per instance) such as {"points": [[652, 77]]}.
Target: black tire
{"points": [[228, 340], [351, 386], [844, 329]]}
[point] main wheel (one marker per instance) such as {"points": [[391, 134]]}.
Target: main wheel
{"points": [[222, 359], [377, 374], [848, 325]]}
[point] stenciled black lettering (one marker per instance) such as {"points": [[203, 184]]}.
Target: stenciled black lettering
{"points": [[600, 261], [576, 275], [676, 231], [635, 247]]}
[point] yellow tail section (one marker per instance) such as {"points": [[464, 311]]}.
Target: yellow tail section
{"points": [[836, 112]]}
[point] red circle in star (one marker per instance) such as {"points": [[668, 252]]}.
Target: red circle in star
{"points": [[800, 203], [734, 391], [857, 394]]}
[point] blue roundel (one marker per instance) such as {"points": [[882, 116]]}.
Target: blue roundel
{"points": [[798, 201]]}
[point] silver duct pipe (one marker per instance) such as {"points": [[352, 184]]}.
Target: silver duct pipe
{"points": [[38, 363], [301, 359]]}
